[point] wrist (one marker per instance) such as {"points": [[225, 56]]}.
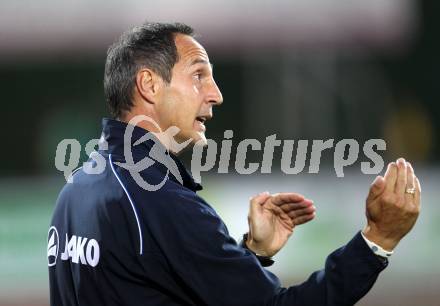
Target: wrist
{"points": [[265, 261], [253, 246], [377, 249], [386, 242]]}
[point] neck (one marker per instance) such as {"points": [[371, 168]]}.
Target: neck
{"points": [[148, 123]]}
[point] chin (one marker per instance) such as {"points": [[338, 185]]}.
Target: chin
{"points": [[199, 139]]}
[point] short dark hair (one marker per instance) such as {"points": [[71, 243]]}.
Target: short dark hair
{"points": [[150, 45]]}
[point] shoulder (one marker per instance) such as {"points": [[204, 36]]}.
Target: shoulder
{"points": [[171, 202], [91, 188], [178, 200]]}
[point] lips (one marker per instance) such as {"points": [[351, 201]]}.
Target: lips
{"points": [[201, 122], [201, 119]]}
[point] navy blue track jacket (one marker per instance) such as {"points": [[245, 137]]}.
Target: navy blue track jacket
{"points": [[111, 242]]}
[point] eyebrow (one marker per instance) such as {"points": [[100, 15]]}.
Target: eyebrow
{"points": [[201, 61]]}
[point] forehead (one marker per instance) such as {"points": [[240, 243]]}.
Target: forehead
{"points": [[190, 50]]}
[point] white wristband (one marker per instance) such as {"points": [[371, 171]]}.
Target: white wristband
{"points": [[377, 249]]}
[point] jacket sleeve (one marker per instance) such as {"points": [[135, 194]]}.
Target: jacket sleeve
{"points": [[217, 271]]}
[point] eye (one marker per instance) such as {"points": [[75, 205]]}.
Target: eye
{"points": [[198, 76]]}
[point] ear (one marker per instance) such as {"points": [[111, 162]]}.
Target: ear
{"points": [[148, 85]]}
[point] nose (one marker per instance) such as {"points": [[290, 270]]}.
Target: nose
{"points": [[214, 96]]}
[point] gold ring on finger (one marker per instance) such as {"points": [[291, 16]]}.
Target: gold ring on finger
{"points": [[410, 190]]}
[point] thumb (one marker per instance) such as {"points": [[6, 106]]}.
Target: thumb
{"points": [[257, 201], [376, 188]]}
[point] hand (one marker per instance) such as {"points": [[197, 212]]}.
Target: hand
{"points": [[272, 220], [392, 211]]}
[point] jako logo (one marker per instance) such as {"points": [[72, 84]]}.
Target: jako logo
{"points": [[52, 246], [81, 249]]}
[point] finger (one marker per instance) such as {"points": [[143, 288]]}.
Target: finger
{"points": [[376, 188], [257, 201], [287, 207], [301, 212], [261, 197], [390, 177], [410, 183], [304, 219], [401, 177], [285, 197], [418, 193], [278, 212]]}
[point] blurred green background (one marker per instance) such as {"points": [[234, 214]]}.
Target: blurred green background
{"points": [[301, 70]]}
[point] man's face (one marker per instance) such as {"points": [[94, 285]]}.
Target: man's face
{"points": [[188, 99]]}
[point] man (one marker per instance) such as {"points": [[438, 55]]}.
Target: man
{"points": [[121, 244]]}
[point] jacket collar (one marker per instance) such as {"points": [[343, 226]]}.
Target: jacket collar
{"points": [[113, 133]]}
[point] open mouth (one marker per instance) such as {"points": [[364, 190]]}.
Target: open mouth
{"points": [[201, 123], [201, 119]]}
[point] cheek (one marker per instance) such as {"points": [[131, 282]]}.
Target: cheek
{"points": [[183, 116], [167, 114], [185, 106], [196, 89]]}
